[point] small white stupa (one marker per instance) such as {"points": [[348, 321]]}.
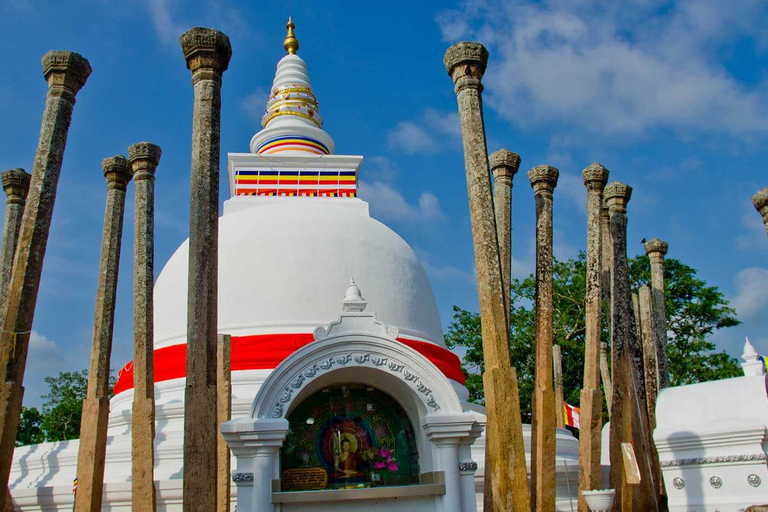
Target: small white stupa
{"points": [[340, 392]]}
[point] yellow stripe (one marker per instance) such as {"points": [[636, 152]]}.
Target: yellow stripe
{"points": [[283, 141], [289, 113], [304, 179], [292, 148]]}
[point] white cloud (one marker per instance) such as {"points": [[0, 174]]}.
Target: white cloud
{"points": [[167, 28], [388, 204], [44, 354], [754, 231], [432, 132], [751, 301], [447, 272], [571, 187], [617, 69], [255, 104], [169, 25]]}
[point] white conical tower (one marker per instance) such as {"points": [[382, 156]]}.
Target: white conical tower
{"points": [[292, 123], [292, 156]]}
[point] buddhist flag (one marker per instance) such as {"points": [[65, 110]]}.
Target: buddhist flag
{"points": [[572, 415]]}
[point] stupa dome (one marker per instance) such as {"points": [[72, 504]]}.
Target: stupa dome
{"points": [[285, 265]]}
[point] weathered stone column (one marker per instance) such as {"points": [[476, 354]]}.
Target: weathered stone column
{"points": [[629, 419], [16, 186], [66, 73], [504, 165], [605, 372], [223, 413], [591, 400], [543, 181], [606, 261], [144, 158], [656, 249], [465, 63], [760, 200], [557, 366], [207, 53], [93, 429], [649, 353], [636, 312]]}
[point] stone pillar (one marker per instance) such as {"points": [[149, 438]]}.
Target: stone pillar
{"points": [[207, 53], [591, 400], [557, 367], [16, 186], [465, 63], [606, 262], [605, 372], [649, 353], [144, 157], [223, 414], [629, 418], [656, 249], [504, 165], [760, 200], [93, 429], [543, 181], [636, 313], [66, 73]]}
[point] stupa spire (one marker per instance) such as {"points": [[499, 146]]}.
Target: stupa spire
{"points": [[291, 44], [292, 122]]}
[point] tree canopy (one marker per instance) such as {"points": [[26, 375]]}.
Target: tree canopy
{"points": [[694, 311], [61, 412]]}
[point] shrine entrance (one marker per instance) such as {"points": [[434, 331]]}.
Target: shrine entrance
{"points": [[348, 436]]}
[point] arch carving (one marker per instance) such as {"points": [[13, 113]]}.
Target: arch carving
{"points": [[320, 358]]}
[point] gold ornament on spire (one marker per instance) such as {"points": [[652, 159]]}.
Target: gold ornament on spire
{"points": [[291, 44]]}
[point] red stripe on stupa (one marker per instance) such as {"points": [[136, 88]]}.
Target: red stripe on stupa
{"points": [[266, 351]]}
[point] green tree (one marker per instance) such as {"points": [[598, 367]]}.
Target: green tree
{"points": [[63, 406], [694, 311], [29, 427]]}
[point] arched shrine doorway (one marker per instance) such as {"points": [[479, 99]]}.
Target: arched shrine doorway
{"points": [[348, 436]]}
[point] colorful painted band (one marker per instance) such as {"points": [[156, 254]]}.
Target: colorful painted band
{"points": [[293, 180], [303, 172], [293, 142], [290, 192], [291, 113], [266, 351], [290, 88], [292, 139]]}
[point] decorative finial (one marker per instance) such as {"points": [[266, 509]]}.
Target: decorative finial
{"points": [[753, 364], [353, 299], [291, 44]]}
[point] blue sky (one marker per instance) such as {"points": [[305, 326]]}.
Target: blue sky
{"points": [[670, 96]]}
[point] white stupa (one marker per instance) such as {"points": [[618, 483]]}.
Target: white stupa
{"points": [[349, 369]]}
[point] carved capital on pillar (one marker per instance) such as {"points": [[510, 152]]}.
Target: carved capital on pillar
{"points": [[543, 178], [207, 51], [504, 165], [65, 71], [117, 170], [760, 200], [595, 176], [617, 195], [656, 247], [144, 157], [465, 63], [16, 185]]}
